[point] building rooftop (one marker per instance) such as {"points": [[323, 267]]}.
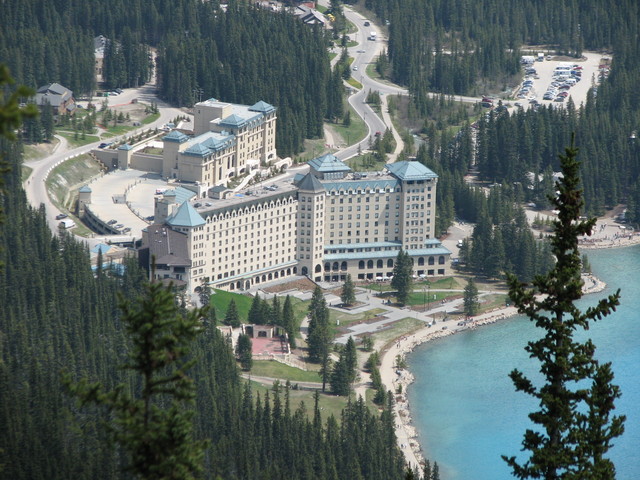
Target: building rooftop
{"points": [[208, 143], [262, 107], [175, 136], [310, 183], [185, 216], [181, 194], [410, 171], [247, 197], [52, 93], [241, 115], [168, 246], [328, 163]]}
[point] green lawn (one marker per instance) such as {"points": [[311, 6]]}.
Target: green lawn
{"points": [[220, 300], [405, 326], [355, 132], [329, 404], [347, 319], [273, 369], [117, 130], [70, 136], [448, 283], [354, 83], [419, 298], [151, 118], [365, 163]]}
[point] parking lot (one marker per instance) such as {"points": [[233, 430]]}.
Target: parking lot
{"points": [[541, 81]]}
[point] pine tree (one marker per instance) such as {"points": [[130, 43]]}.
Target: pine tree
{"points": [[232, 317], [402, 281], [276, 312], [470, 298], [154, 426], [243, 352], [351, 360], [348, 295], [319, 334], [426, 470], [46, 117], [435, 472], [577, 398], [255, 312], [289, 321], [344, 371]]}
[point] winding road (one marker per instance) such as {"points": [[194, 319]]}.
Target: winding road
{"points": [[35, 185]]}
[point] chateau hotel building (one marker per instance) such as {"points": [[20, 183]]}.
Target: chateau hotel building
{"points": [[228, 140], [324, 224]]}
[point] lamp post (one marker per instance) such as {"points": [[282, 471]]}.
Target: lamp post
{"points": [[424, 298]]}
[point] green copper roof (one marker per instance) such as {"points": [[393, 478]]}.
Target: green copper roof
{"points": [[185, 216], [263, 107], [125, 146], [328, 163], [410, 171], [198, 150], [310, 184], [85, 189], [175, 136], [208, 143]]}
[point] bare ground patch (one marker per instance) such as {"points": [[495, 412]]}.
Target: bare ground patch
{"points": [[302, 284]]}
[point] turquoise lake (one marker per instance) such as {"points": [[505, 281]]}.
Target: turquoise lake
{"points": [[466, 409]]}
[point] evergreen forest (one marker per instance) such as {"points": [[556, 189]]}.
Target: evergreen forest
{"points": [[458, 47], [241, 55], [56, 315]]}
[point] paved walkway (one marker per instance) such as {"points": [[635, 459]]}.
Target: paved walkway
{"points": [[393, 313]]}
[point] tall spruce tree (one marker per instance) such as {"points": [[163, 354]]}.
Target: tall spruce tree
{"points": [[243, 351], [319, 335], [470, 298], [154, 426], [402, 280], [255, 312], [289, 321], [348, 295], [232, 317], [577, 399]]}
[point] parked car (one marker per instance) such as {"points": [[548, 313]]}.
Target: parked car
{"points": [[112, 222], [61, 216]]}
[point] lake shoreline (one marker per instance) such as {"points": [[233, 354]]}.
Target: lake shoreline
{"points": [[397, 380]]}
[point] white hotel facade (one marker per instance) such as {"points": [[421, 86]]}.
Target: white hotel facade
{"points": [[324, 225]]}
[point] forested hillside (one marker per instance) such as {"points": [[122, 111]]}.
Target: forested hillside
{"points": [[451, 46], [251, 54], [56, 315], [447, 46], [244, 55]]}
